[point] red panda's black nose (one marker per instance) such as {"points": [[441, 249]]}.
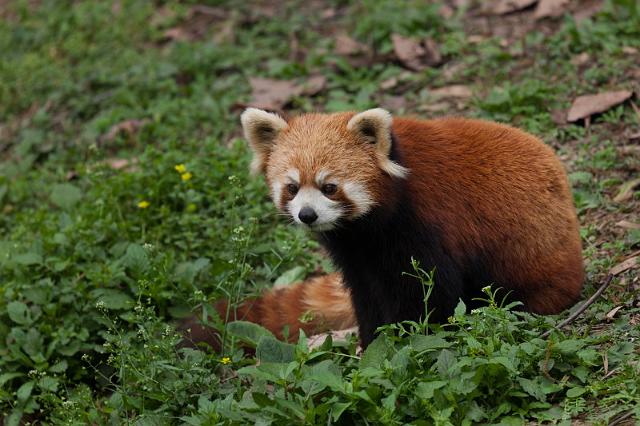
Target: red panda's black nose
{"points": [[307, 215]]}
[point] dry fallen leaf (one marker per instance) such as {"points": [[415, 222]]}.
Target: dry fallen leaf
{"points": [[346, 46], [621, 267], [389, 83], [118, 163], [446, 11], [585, 106], [122, 164], [502, 7], [587, 9], [395, 103], [196, 24], [338, 335], [476, 39], [628, 225], [634, 136], [272, 94], [580, 59], [612, 313], [434, 107], [314, 85], [128, 127], [626, 190], [416, 55], [328, 13], [453, 91], [550, 8], [176, 34]]}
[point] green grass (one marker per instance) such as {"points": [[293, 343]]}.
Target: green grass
{"points": [[91, 284]]}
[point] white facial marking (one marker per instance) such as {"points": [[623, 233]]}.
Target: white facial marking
{"points": [[328, 211], [359, 196], [276, 191], [293, 175], [321, 176]]}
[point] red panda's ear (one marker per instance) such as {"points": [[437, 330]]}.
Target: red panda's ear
{"points": [[261, 129], [374, 126]]}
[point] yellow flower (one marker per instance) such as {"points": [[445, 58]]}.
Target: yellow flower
{"points": [[143, 204], [180, 168], [226, 360], [186, 176]]}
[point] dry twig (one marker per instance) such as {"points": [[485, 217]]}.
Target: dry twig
{"points": [[582, 308]]}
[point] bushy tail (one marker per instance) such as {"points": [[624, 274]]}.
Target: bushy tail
{"points": [[316, 305]]}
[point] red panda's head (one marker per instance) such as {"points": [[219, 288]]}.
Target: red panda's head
{"points": [[323, 169]]}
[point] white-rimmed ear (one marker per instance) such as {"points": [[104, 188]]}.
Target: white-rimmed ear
{"points": [[261, 129], [374, 126]]}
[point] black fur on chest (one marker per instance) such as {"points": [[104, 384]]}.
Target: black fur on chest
{"points": [[374, 251]]}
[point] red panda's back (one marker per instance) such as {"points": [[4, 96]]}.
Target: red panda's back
{"points": [[501, 194]]}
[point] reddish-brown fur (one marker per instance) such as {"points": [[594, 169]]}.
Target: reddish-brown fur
{"points": [[315, 305], [480, 198]]}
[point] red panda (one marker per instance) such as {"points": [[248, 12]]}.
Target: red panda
{"points": [[478, 202], [315, 305]]}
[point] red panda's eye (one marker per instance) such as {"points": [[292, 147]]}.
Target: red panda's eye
{"points": [[292, 188], [329, 189]]}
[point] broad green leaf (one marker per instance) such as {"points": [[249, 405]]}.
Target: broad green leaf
{"points": [[24, 392], [186, 272], [337, 409], [327, 373], [576, 392], [261, 399], [48, 383], [589, 356], [65, 195], [376, 352], [533, 388], [248, 332], [425, 390], [422, 343], [461, 309], [506, 362], [291, 276], [14, 418], [59, 367], [4, 378], [19, 313], [400, 361], [270, 349], [33, 345], [113, 299], [445, 361], [136, 258], [71, 349], [27, 259], [570, 346]]}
